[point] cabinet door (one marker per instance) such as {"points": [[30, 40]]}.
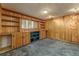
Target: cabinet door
{"points": [[42, 34], [28, 38], [19, 39], [16, 40], [25, 38]]}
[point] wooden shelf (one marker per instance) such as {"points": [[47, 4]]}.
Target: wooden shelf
{"points": [[9, 21], [9, 26], [10, 15]]}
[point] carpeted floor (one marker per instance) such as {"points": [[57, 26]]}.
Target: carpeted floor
{"points": [[46, 47]]}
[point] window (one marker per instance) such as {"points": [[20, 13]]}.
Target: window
{"points": [[24, 24], [27, 24], [33, 24]]}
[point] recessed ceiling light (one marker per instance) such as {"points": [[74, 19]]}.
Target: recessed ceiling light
{"points": [[74, 10], [50, 16], [45, 12]]}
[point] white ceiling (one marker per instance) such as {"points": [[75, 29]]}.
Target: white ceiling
{"points": [[35, 9]]}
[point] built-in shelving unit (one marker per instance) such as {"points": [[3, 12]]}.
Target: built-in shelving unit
{"points": [[9, 23]]}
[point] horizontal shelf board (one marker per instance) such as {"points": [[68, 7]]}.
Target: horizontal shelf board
{"points": [[9, 21], [10, 15], [9, 26]]}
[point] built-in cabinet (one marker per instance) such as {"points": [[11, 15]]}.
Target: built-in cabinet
{"points": [[20, 39]]}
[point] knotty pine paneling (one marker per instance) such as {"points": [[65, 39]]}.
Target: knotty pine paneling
{"points": [[64, 28]]}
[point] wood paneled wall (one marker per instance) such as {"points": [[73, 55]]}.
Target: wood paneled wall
{"points": [[64, 28]]}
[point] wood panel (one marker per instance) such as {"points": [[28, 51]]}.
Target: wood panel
{"points": [[47, 27], [77, 28], [16, 40], [25, 38], [0, 18], [9, 29], [64, 28], [42, 34], [67, 34]]}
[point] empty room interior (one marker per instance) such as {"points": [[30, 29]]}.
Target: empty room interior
{"points": [[39, 29]]}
